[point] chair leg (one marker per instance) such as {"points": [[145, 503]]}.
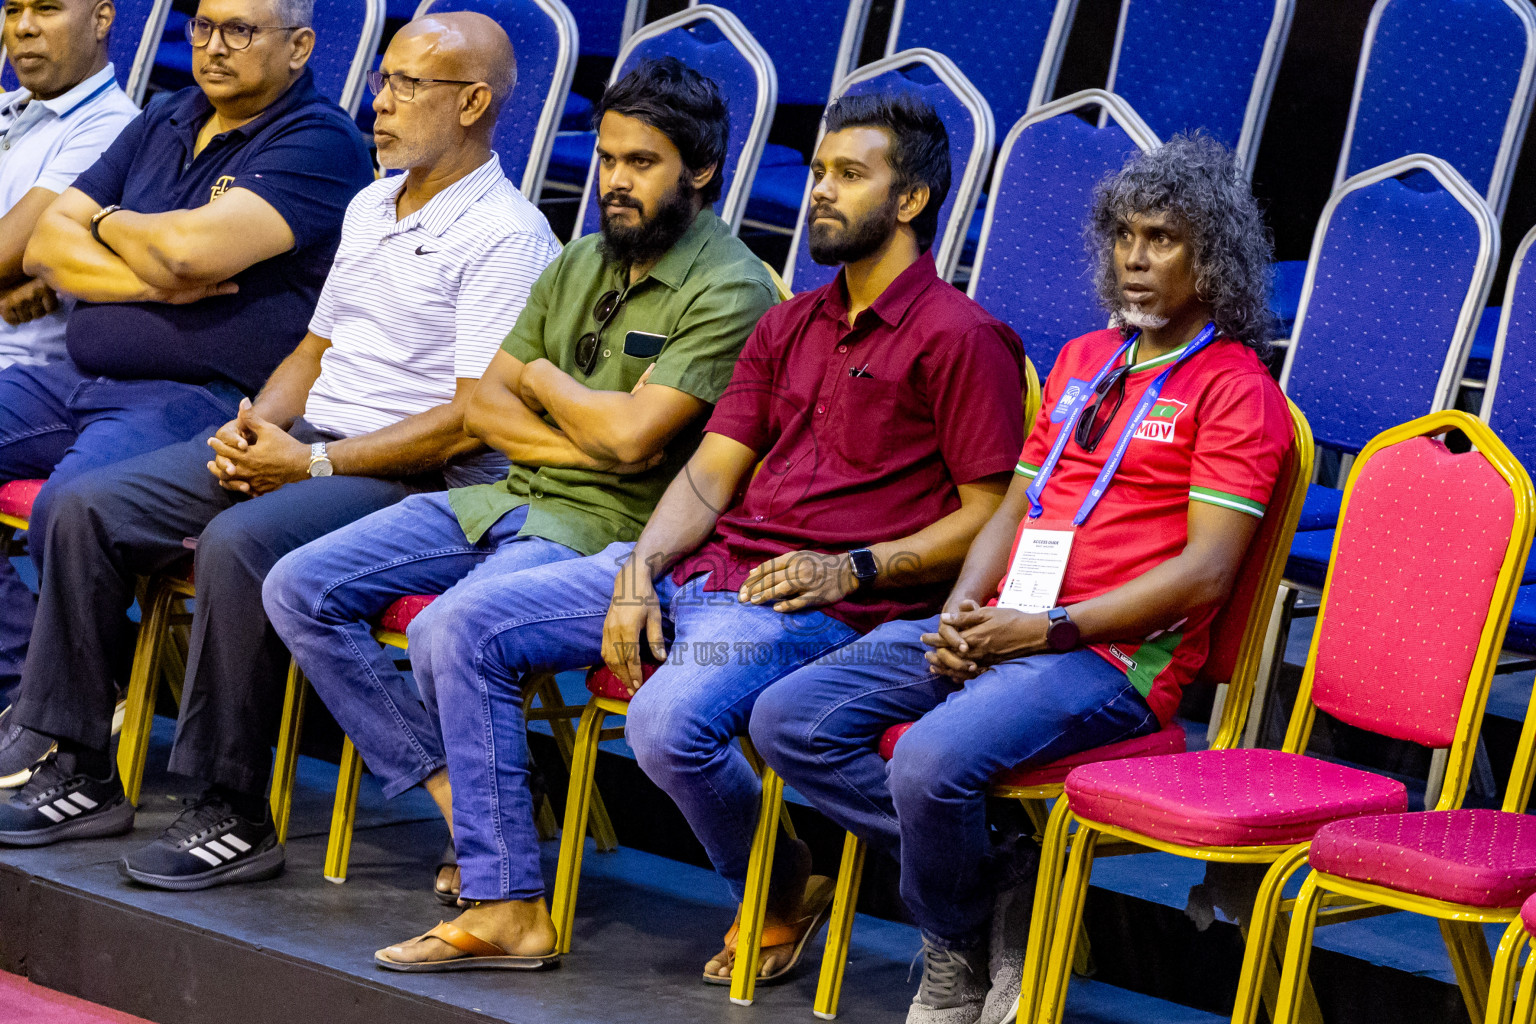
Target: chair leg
{"points": [[1308, 1011], [1066, 929], [1261, 934], [1468, 949], [845, 899], [143, 687], [599, 824], [1506, 975], [285, 760], [754, 905], [1298, 952], [1053, 858], [578, 802], [338, 848]]}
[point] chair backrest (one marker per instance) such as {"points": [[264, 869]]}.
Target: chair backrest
{"points": [[543, 35], [802, 38], [1240, 630], [993, 42], [1186, 64], [136, 29], [347, 34], [606, 25], [713, 42], [1400, 270], [1426, 561], [1510, 394], [1448, 77], [1032, 270], [967, 119]]}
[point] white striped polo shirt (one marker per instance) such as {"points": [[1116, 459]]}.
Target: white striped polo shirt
{"points": [[412, 304]]}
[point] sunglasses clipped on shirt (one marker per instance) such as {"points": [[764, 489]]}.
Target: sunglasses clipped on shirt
{"points": [[1091, 425], [587, 344]]}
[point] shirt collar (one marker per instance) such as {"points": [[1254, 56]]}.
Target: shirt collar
{"points": [[444, 209], [190, 112], [673, 267], [64, 105], [892, 304]]}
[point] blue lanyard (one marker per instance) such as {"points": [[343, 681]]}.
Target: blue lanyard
{"points": [[1143, 407]]}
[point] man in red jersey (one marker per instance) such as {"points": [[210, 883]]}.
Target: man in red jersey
{"points": [[1085, 603]]}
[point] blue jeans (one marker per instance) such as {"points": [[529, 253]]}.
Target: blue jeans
{"points": [[324, 597], [681, 723], [57, 423], [820, 728]]}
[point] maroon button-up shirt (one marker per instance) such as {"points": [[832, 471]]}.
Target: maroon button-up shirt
{"points": [[866, 432]]}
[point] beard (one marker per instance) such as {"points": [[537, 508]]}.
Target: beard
{"points": [[1133, 315], [649, 240], [856, 241]]}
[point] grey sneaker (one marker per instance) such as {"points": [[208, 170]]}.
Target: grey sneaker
{"points": [[953, 987], [21, 751], [1010, 937]]}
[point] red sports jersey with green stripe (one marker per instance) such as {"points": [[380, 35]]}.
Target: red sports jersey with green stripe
{"points": [[1217, 434]]}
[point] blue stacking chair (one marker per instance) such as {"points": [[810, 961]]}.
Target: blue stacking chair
{"points": [[968, 120], [544, 37], [713, 42], [1194, 64], [1448, 77], [810, 61], [135, 37], [1032, 270], [1507, 403], [993, 43], [1401, 265]]}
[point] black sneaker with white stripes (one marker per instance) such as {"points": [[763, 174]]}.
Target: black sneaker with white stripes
{"points": [[209, 844], [58, 804]]}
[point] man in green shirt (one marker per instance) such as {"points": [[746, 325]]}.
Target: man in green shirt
{"points": [[598, 397]]}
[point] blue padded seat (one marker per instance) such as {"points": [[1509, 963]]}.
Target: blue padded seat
{"points": [[777, 192], [1310, 552], [1320, 508], [1481, 355], [1285, 293], [578, 113], [1522, 622]]}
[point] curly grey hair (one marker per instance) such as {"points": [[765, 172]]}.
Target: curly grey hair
{"points": [[1195, 179]]}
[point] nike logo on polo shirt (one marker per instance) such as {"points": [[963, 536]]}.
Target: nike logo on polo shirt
{"points": [[423, 251]]}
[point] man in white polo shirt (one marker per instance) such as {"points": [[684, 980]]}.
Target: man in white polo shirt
{"points": [[432, 270], [68, 110]]}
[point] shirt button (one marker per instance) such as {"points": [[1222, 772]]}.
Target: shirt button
{"points": [[758, 518], [820, 409], [607, 353], [842, 348]]}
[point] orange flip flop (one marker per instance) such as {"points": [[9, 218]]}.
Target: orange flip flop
{"points": [[816, 906], [479, 955]]}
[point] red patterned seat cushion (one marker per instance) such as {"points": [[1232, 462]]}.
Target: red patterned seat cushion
{"points": [[1528, 915], [404, 611], [1482, 858], [1170, 739], [1228, 797], [603, 683], [16, 497]]}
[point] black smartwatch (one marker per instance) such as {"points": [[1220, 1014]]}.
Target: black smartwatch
{"points": [[1061, 635], [864, 567]]}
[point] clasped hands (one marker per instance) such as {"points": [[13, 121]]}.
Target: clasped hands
{"points": [[792, 582], [973, 637], [255, 456]]}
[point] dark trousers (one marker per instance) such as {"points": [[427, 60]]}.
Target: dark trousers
{"points": [[130, 519], [57, 423]]}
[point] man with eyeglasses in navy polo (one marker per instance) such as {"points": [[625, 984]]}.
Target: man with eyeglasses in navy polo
{"points": [[196, 246]]}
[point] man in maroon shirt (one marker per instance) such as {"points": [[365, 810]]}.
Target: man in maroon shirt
{"points": [[882, 412]]}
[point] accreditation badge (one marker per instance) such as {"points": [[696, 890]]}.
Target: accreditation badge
{"points": [[1038, 566]]}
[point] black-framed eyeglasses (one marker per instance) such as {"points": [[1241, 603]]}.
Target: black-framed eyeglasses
{"points": [[403, 87], [587, 345], [237, 35], [1091, 426]]}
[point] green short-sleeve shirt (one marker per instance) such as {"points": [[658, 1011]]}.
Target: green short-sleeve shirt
{"points": [[703, 297]]}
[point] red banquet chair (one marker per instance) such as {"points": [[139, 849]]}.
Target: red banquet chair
{"points": [[1425, 564]]}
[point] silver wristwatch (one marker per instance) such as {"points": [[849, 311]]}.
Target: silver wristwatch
{"points": [[319, 462]]}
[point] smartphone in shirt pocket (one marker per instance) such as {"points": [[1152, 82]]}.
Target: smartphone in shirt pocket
{"points": [[643, 344]]}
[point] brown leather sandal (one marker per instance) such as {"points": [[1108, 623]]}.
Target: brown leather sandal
{"points": [[478, 955]]}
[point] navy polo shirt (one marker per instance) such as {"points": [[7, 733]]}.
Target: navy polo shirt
{"points": [[303, 155]]}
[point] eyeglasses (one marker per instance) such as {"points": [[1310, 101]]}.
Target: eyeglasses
{"points": [[586, 345], [237, 35], [403, 87], [1090, 429]]}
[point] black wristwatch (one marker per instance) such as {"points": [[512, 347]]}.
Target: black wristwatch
{"points": [[864, 567], [1061, 635], [101, 215]]}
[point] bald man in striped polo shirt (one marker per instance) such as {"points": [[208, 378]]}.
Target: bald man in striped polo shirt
{"points": [[433, 268]]}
